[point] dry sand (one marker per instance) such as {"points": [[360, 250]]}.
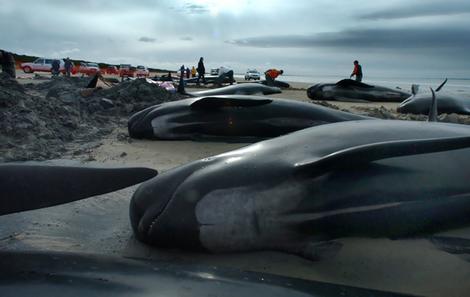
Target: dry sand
{"points": [[101, 225]]}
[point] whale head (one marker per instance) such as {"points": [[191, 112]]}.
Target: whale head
{"points": [[315, 92]]}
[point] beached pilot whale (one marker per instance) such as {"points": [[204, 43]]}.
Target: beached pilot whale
{"points": [[351, 90], [209, 79], [236, 117], [237, 89], [419, 102], [28, 272], [277, 83], [297, 192], [33, 185]]}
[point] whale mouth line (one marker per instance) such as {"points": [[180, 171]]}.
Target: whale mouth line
{"points": [[158, 214], [163, 208]]}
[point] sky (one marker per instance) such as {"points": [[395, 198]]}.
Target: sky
{"points": [[393, 38]]}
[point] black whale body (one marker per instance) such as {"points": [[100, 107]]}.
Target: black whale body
{"points": [[237, 117], [447, 102], [237, 89], [361, 178], [53, 273], [350, 90], [213, 79], [277, 83]]}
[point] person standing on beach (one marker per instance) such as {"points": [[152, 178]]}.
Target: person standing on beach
{"points": [[181, 83], [357, 71], [187, 72], [67, 66], [55, 70], [271, 75], [193, 71], [8, 63], [201, 70]]}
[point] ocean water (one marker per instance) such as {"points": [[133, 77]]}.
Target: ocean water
{"points": [[459, 85]]}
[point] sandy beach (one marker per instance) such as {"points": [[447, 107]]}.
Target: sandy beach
{"points": [[101, 225]]}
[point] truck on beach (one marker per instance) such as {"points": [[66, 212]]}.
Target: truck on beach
{"points": [[126, 70]]}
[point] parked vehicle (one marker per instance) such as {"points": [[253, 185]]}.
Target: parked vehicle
{"points": [[112, 70], [252, 74], [41, 65], [126, 70], [215, 71], [88, 68], [142, 71]]}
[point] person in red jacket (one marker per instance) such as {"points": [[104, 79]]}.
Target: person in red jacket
{"points": [[271, 75], [357, 71]]}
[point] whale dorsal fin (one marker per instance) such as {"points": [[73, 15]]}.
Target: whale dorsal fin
{"points": [[414, 89], [92, 83], [34, 185], [441, 85], [219, 102], [367, 153], [432, 116], [346, 83]]}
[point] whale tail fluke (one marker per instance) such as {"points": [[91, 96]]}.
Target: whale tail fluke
{"points": [[441, 85], [34, 185], [414, 89]]}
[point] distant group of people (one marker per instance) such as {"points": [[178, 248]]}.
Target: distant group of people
{"points": [[7, 62], [271, 75], [68, 65], [225, 73]]}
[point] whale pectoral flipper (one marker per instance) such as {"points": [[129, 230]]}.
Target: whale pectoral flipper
{"points": [[219, 102], [363, 154], [33, 185]]}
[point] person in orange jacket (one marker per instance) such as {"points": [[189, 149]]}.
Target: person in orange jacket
{"points": [[271, 75]]}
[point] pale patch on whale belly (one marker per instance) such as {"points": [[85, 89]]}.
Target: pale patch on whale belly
{"points": [[240, 219], [162, 127]]}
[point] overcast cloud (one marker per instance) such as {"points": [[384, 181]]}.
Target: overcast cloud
{"points": [[397, 37]]}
